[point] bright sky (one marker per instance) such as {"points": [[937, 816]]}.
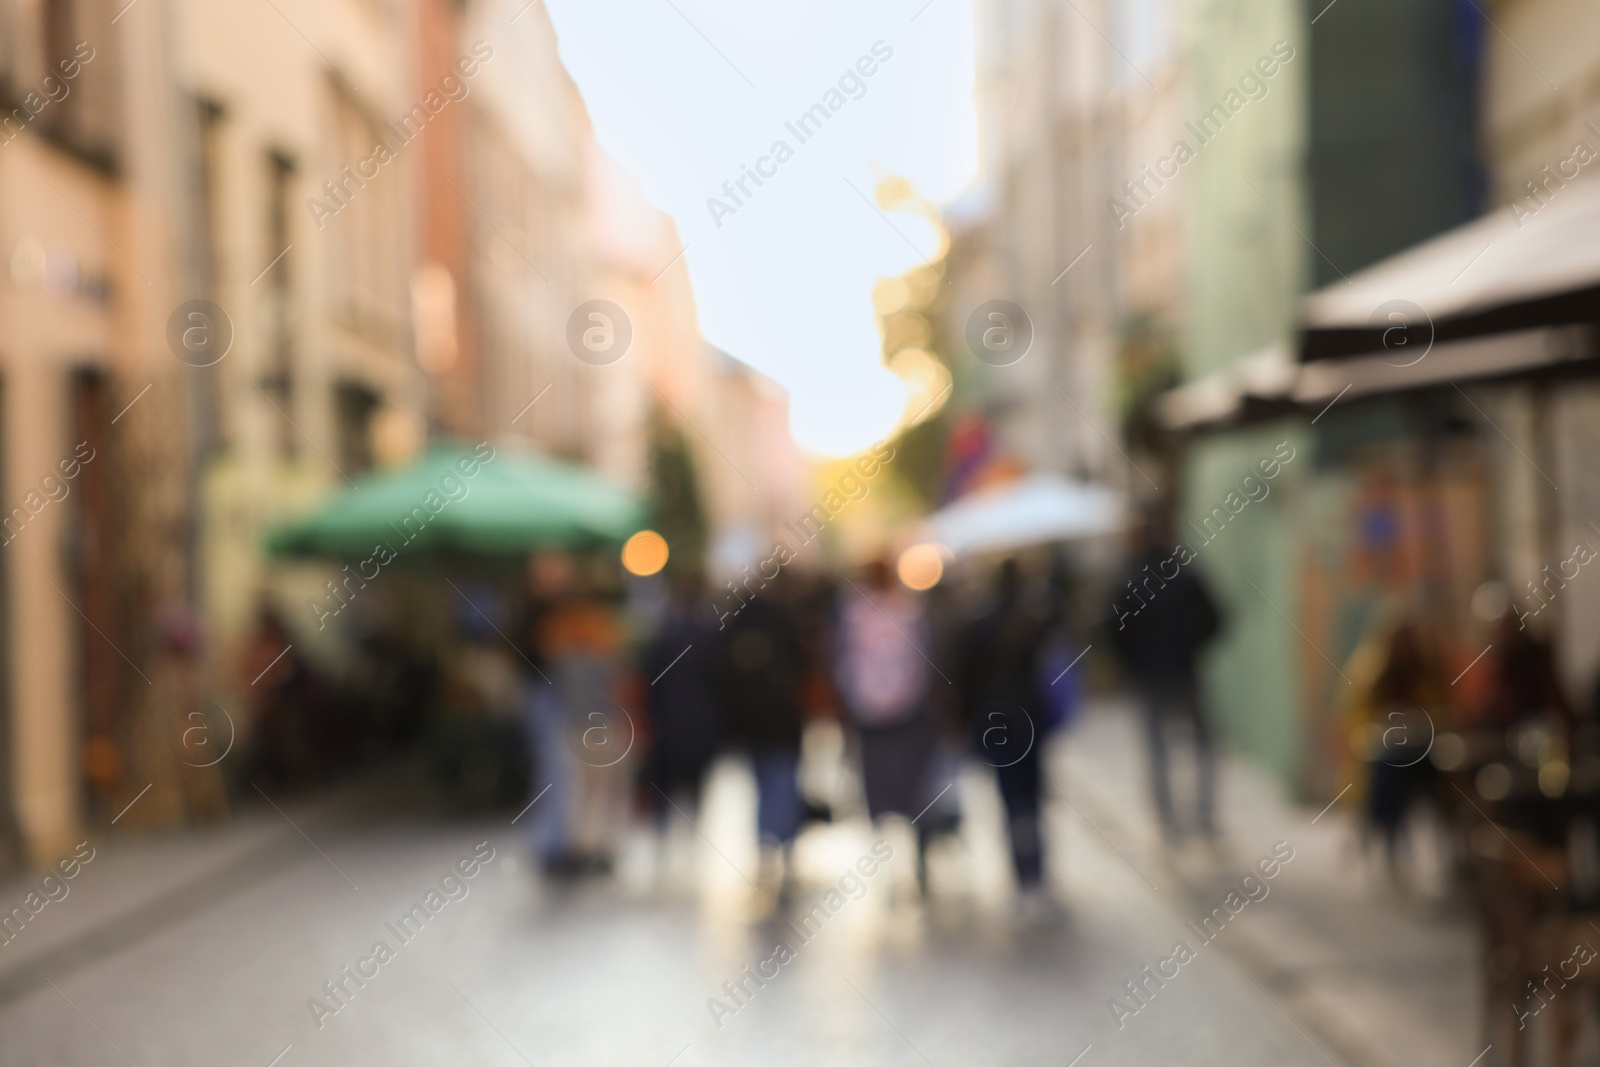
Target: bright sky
{"points": [[689, 93]]}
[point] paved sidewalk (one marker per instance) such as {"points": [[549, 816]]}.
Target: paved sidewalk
{"points": [[1373, 978], [137, 883]]}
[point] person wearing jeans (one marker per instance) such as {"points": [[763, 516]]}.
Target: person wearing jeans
{"points": [[778, 805], [760, 664]]}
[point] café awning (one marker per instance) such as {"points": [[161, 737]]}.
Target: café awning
{"points": [[1515, 293], [1514, 268], [455, 500]]}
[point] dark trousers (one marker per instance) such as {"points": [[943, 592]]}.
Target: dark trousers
{"points": [[1166, 706], [679, 781], [1007, 737], [1019, 789]]}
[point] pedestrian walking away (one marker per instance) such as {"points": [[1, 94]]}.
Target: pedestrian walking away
{"points": [[882, 675], [1159, 644]]}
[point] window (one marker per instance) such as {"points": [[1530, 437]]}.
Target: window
{"points": [[278, 302], [353, 406], [202, 222], [75, 68], [57, 31], [366, 280]]}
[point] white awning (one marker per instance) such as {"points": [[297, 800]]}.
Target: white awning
{"points": [[1491, 262], [1511, 257]]}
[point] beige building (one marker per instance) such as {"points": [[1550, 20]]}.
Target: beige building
{"points": [[557, 224], [246, 253], [1073, 101], [305, 236], [195, 153], [1541, 97], [95, 441]]}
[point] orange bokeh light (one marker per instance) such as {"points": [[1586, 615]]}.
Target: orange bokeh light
{"points": [[921, 566], [645, 553]]}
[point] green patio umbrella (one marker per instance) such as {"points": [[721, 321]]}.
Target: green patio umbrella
{"points": [[457, 500]]}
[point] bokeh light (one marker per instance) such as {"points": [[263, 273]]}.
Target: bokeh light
{"points": [[921, 566], [645, 553], [928, 383]]}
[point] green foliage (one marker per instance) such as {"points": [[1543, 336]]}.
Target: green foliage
{"points": [[676, 507], [1147, 366], [920, 449], [919, 460]]}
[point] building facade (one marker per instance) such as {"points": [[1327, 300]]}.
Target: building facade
{"points": [[306, 153], [98, 443]]}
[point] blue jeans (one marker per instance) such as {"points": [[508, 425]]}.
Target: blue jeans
{"points": [[549, 823], [778, 807]]}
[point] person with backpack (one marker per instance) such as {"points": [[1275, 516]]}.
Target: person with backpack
{"points": [[882, 675]]}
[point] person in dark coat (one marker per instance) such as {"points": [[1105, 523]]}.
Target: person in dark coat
{"points": [[1004, 709], [760, 665], [1158, 632], [681, 699]]}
